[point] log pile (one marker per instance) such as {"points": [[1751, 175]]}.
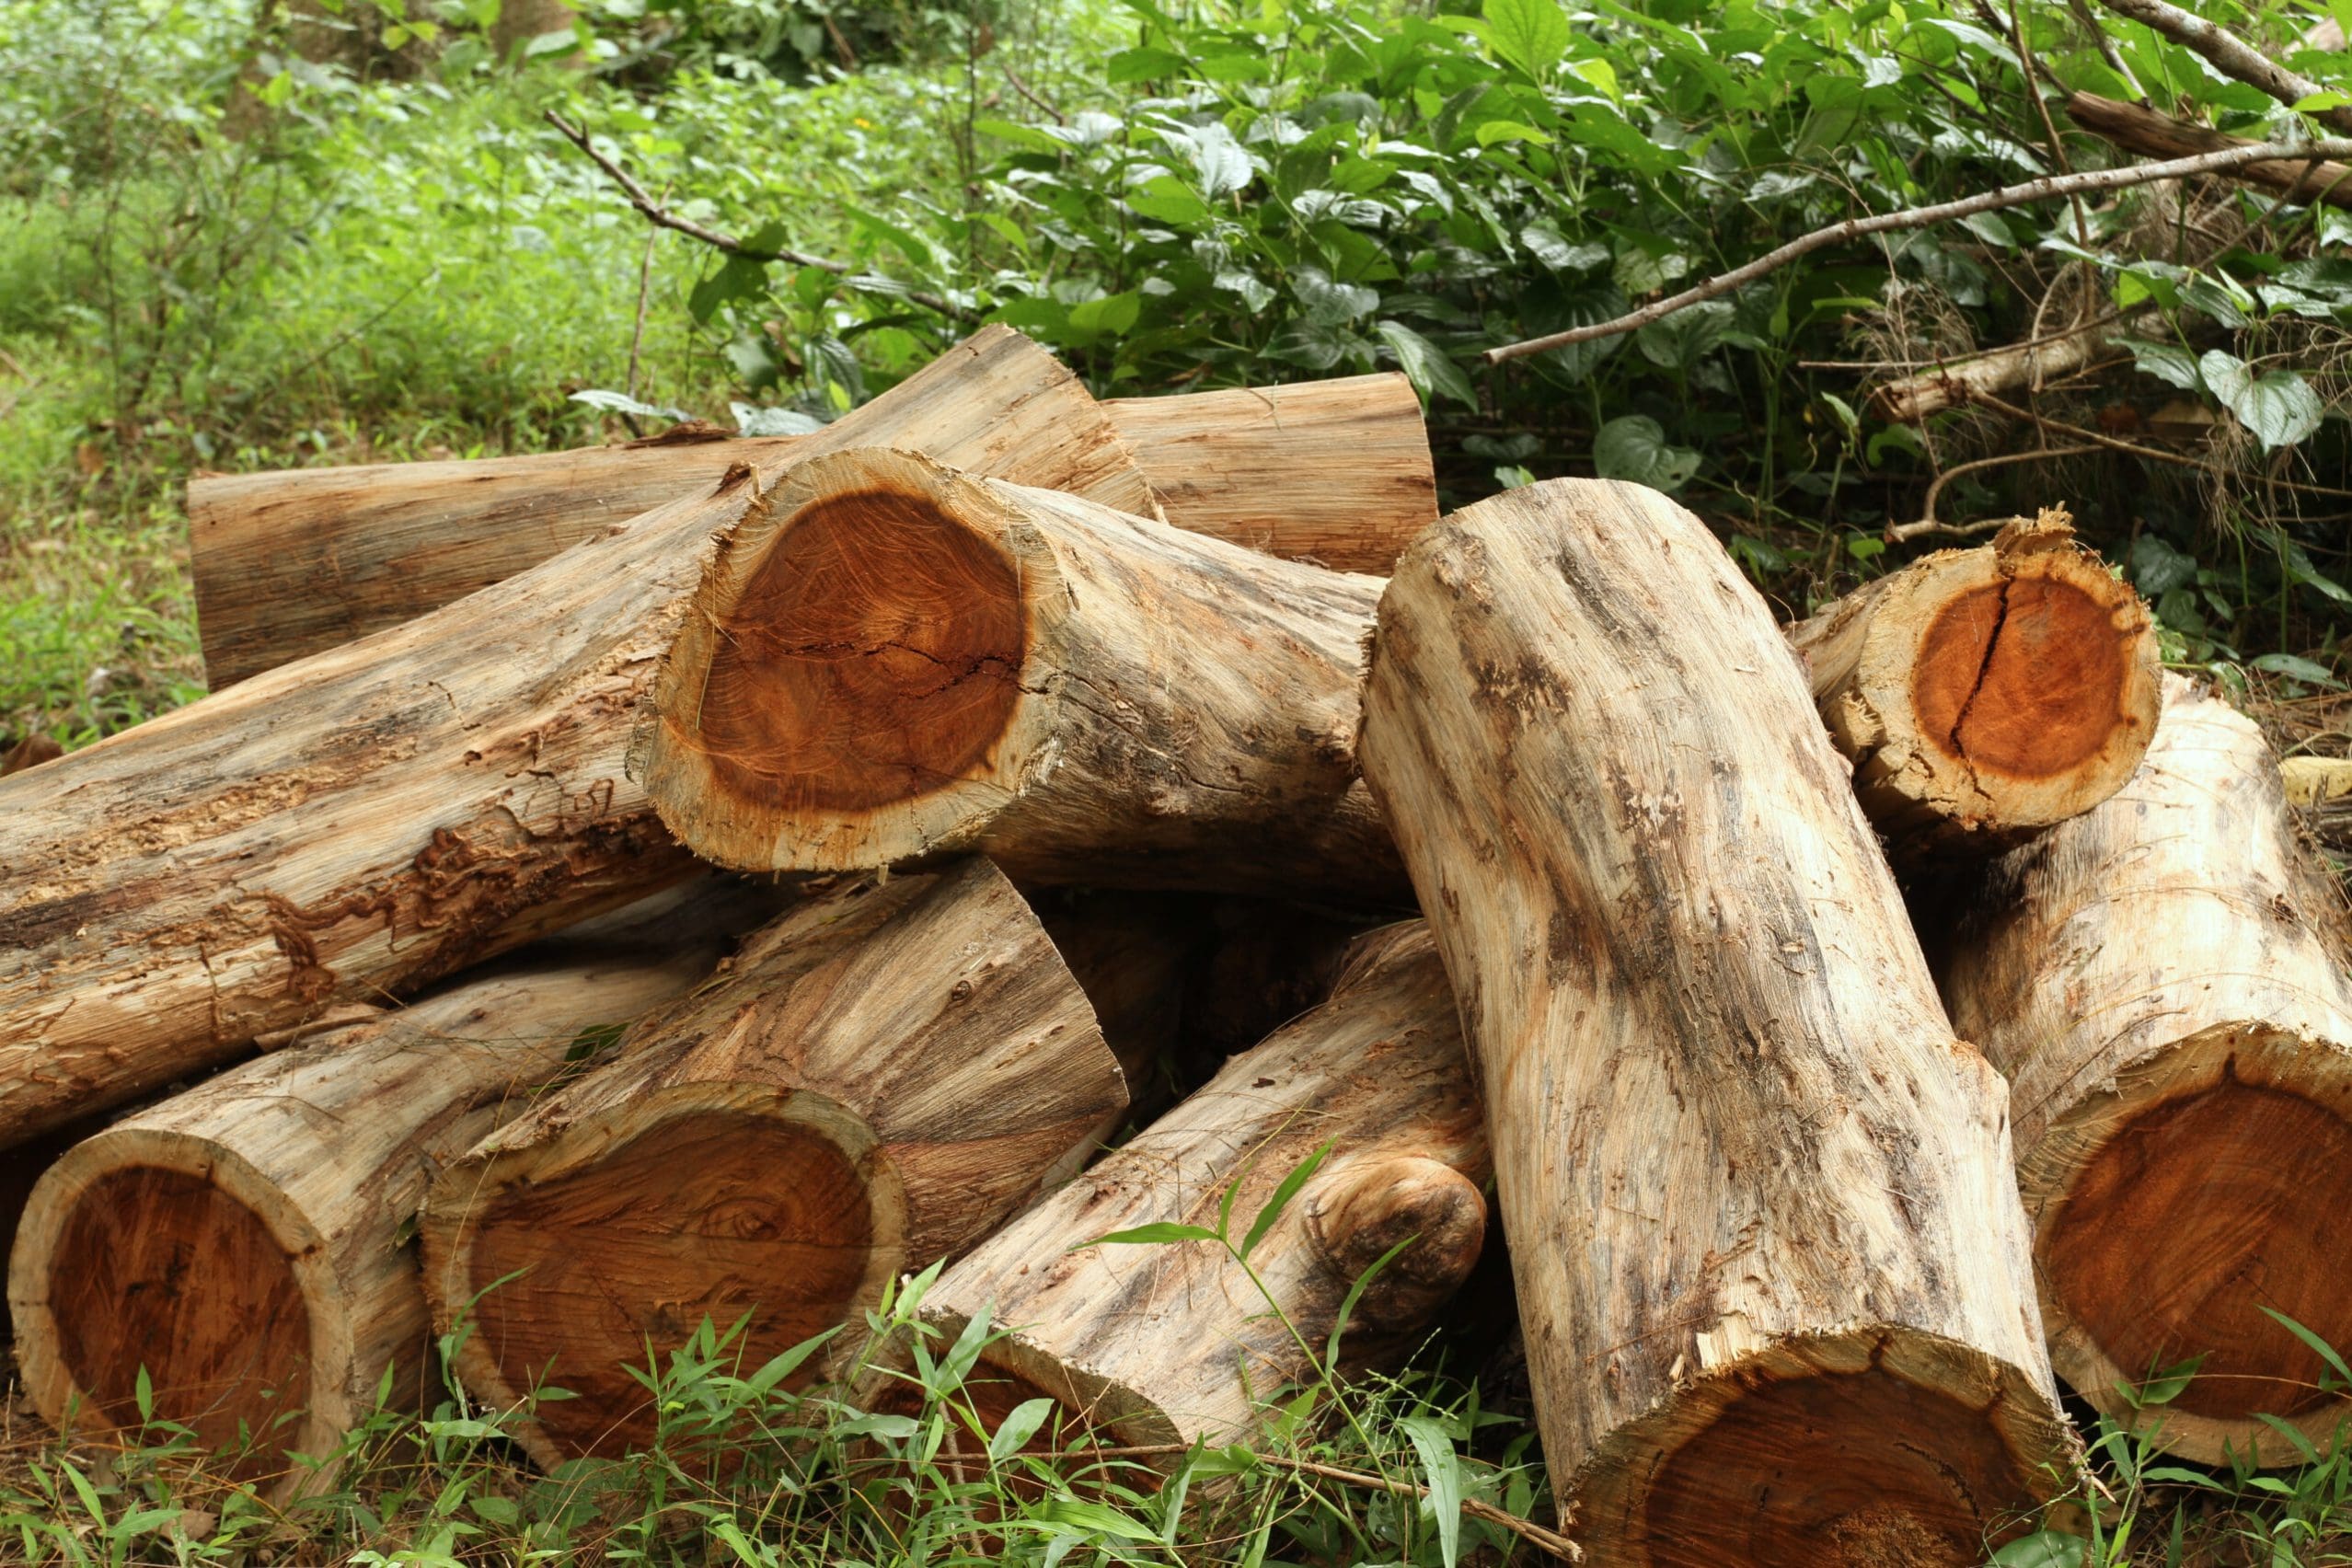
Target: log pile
{"points": [[710, 880]]}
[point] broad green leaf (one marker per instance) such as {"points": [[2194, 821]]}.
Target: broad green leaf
{"points": [[2044, 1549], [2166, 361], [1496, 131], [622, 403], [1113, 312], [1169, 199], [1097, 1518], [1633, 446], [1331, 304], [2300, 669], [1443, 1467], [2278, 406], [1682, 341], [1547, 245], [1150, 1235], [1427, 366], [740, 278], [1530, 34], [1143, 65], [2299, 567], [2157, 567]]}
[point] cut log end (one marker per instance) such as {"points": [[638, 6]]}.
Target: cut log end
{"points": [[1986, 695], [160, 1269], [1882, 1451], [848, 689], [2026, 679], [872, 655], [785, 1213], [2178, 1213]]}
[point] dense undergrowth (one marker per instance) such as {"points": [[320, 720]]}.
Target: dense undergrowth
{"points": [[214, 254]]}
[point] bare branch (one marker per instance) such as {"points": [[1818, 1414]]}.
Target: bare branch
{"points": [[2048, 188], [662, 217], [2146, 133], [2230, 54], [1899, 532]]}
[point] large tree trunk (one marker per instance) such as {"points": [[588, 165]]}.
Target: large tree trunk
{"points": [[1170, 1343], [1770, 1257], [373, 818], [2163, 982], [294, 562], [891, 659], [1983, 695], [246, 1242], [876, 1082]]}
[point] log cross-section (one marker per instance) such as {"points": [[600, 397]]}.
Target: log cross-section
{"points": [[1771, 1261], [364, 821], [249, 1243], [2163, 980], [1983, 695], [872, 1084], [890, 660]]}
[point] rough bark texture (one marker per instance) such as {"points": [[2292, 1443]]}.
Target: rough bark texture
{"points": [[373, 818], [247, 1242], [1172, 1344], [876, 1081], [2146, 133], [300, 560], [1983, 695], [890, 660], [2161, 981], [1770, 1257]]}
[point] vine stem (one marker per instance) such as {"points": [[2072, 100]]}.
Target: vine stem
{"points": [[2048, 188]]}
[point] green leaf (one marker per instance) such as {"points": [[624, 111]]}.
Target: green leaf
{"points": [[2319, 1347], [1331, 304], [1530, 34], [2299, 669], [1143, 65], [1096, 1518], [1427, 366], [2044, 1549], [2157, 567], [1496, 131], [1168, 200], [1547, 245], [1679, 341], [2278, 406], [2300, 568], [1301, 1174], [1150, 1235], [751, 419], [622, 403], [2166, 361], [1633, 446], [1017, 1428], [1442, 1466], [741, 278], [1112, 313]]}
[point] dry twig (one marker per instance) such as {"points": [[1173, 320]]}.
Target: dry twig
{"points": [[2046, 189], [642, 199]]}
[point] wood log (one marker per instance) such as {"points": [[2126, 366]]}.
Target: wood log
{"points": [[297, 562], [2163, 981], [247, 1242], [878, 1079], [371, 819], [1954, 385], [1768, 1252], [1984, 694], [2320, 790], [890, 659], [2143, 133], [1172, 1344]]}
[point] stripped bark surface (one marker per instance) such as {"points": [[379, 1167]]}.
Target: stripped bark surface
{"points": [[1770, 1257], [364, 821], [249, 1244], [298, 561], [1983, 695], [890, 660], [2163, 981], [874, 1082], [1172, 1343]]}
